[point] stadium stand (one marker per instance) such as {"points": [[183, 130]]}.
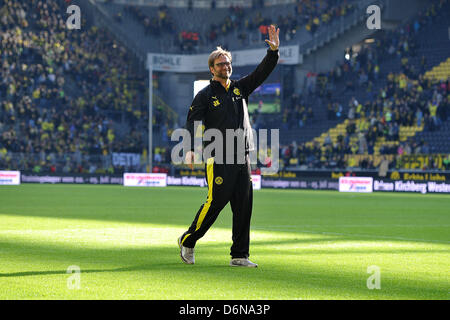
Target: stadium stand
{"points": [[154, 30], [392, 108], [69, 100]]}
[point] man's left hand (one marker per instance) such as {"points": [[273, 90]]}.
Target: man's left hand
{"points": [[274, 38]]}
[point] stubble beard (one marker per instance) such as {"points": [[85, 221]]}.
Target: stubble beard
{"points": [[224, 75]]}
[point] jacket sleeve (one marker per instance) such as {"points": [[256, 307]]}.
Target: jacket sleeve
{"points": [[249, 83], [197, 112]]}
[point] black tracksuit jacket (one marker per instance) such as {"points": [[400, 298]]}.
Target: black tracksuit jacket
{"points": [[221, 109]]}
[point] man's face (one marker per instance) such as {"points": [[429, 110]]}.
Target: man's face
{"points": [[222, 68]]}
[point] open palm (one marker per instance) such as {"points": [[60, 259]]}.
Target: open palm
{"points": [[274, 38]]}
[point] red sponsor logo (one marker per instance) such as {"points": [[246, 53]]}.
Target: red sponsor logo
{"points": [[6, 175], [131, 177], [346, 181]]}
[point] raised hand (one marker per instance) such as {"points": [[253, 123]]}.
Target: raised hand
{"points": [[189, 159], [274, 38]]}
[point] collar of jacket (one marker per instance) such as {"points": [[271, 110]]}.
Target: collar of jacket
{"points": [[216, 84]]}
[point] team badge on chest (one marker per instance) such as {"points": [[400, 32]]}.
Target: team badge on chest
{"points": [[216, 101]]}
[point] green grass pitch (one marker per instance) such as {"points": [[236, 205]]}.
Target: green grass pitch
{"points": [[308, 244]]}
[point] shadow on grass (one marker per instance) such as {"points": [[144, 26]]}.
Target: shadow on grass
{"points": [[292, 277]]}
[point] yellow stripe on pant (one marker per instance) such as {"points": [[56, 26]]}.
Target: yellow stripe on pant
{"points": [[210, 175], [207, 205]]}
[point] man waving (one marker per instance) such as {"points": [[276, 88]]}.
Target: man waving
{"points": [[222, 105]]}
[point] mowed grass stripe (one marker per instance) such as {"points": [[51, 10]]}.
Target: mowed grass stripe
{"points": [[309, 245]]}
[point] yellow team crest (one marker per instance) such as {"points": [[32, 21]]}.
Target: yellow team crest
{"points": [[218, 180], [236, 92], [216, 101], [395, 175]]}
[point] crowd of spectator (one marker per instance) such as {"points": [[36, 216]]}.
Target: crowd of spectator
{"points": [[156, 25], [296, 114], [405, 98], [314, 14], [361, 70], [308, 15], [64, 94]]}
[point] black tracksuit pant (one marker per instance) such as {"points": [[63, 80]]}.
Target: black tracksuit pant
{"points": [[226, 183]]}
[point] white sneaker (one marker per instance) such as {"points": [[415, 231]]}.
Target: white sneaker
{"points": [[186, 254], [242, 262]]}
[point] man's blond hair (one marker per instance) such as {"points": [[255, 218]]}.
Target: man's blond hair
{"points": [[217, 54]]}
